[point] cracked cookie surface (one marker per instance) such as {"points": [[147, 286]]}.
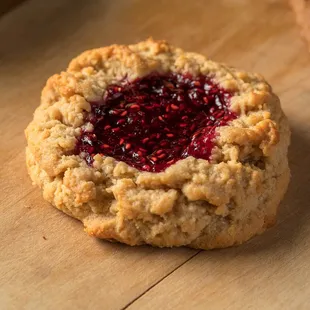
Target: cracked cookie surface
{"points": [[202, 203]]}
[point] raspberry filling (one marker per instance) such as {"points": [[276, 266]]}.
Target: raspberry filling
{"points": [[156, 120]]}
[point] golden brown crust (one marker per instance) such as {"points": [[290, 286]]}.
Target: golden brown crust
{"points": [[194, 202]]}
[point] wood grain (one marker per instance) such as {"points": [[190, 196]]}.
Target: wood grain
{"points": [[302, 12], [48, 262]]}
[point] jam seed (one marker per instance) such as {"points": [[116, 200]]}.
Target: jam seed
{"points": [[116, 129], [206, 100], [182, 141], [146, 167], [219, 114], [114, 112], [174, 107], [163, 143], [134, 107], [120, 121], [168, 84]]}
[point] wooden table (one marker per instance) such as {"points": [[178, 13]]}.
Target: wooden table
{"points": [[48, 262]]}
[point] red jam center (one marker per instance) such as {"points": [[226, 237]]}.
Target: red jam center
{"points": [[156, 120]]}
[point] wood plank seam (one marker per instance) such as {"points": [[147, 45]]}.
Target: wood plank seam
{"points": [[159, 281]]}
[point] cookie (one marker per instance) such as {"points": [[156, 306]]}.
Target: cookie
{"points": [[149, 144]]}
